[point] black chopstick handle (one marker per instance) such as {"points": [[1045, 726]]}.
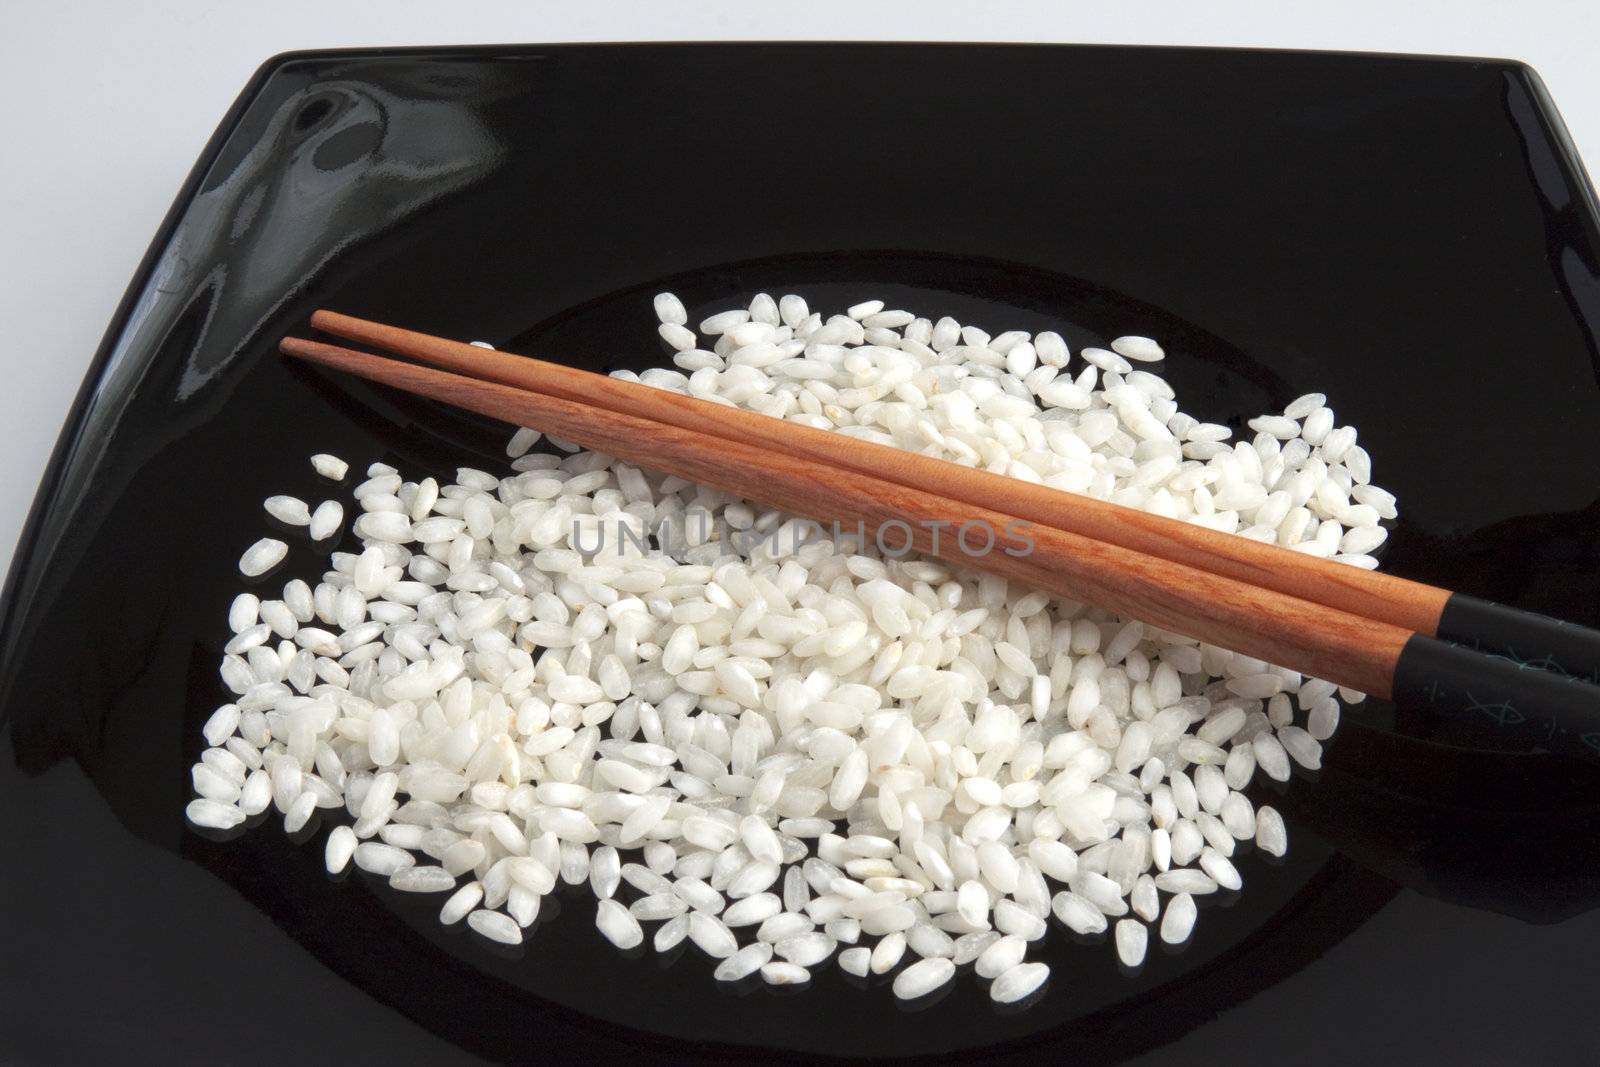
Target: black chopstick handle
{"points": [[1524, 636], [1543, 709]]}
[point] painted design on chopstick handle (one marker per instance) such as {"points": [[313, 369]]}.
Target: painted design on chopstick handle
{"points": [[1551, 711], [1531, 640]]}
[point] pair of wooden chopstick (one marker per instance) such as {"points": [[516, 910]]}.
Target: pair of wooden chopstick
{"points": [[1370, 631]]}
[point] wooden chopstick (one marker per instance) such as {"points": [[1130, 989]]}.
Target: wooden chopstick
{"points": [[1555, 711], [1386, 598], [1324, 642]]}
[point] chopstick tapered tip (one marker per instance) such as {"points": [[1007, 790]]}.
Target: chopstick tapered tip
{"points": [[297, 347], [326, 355]]}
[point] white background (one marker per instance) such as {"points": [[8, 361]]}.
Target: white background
{"points": [[104, 106]]}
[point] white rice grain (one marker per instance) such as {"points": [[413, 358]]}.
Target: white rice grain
{"points": [[422, 880], [922, 978], [1178, 922], [496, 926], [262, 556], [1001, 956], [780, 972], [330, 467], [669, 309], [1019, 982], [326, 520], [745, 962], [340, 848], [213, 814], [1131, 936], [618, 925], [1271, 837], [1142, 349], [288, 509]]}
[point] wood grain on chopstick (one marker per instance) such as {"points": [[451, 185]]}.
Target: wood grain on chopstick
{"points": [[1319, 640], [1371, 594]]}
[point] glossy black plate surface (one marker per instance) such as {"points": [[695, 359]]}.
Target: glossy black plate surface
{"points": [[1414, 237]]}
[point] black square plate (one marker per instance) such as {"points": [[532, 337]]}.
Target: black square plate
{"points": [[1413, 236]]}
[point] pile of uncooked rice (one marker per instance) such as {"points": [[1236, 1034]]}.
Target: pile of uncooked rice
{"points": [[789, 750]]}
